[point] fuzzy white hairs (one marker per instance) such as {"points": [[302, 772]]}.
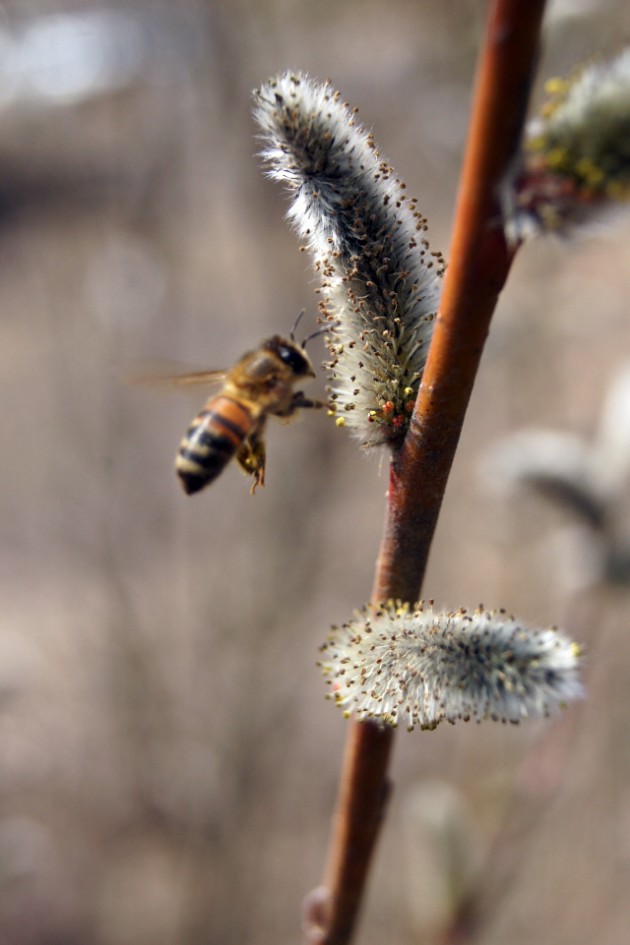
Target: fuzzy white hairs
{"points": [[380, 284]]}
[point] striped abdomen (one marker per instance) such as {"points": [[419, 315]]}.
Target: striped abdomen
{"points": [[213, 438]]}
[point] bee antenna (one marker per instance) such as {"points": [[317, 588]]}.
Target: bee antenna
{"points": [[320, 331], [297, 321]]}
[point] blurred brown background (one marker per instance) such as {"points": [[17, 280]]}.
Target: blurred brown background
{"points": [[168, 764]]}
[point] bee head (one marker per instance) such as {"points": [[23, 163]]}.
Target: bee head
{"points": [[293, 355]]}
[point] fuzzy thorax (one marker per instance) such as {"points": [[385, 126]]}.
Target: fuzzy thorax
{"points": [[380, 283]]}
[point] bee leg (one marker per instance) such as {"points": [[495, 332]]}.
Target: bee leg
{"points": [[298, 402], [251, 459]]}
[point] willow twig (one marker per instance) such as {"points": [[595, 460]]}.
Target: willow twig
{"points": [[480, 260]]}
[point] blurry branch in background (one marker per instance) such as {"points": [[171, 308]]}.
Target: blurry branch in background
{"points": [[444, 857], [588, 480]]}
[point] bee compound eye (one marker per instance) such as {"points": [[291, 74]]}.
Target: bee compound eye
{"points": [[294, 359]]}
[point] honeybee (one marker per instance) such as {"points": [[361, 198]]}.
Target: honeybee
{"points": [[232, 423]]}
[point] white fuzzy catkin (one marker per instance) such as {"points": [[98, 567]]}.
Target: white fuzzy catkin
{"points": [[419, 667], [576, 157], [379, 281]]}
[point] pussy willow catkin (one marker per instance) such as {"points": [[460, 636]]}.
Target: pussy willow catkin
{"points": [[419, 667], [380, 283], [576, 154]]}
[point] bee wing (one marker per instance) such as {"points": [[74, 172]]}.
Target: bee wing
{"points": [[195, 377], [162, 374]]}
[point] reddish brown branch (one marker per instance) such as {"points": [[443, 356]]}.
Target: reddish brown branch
{"points": [[479, 264], [360, 808]]}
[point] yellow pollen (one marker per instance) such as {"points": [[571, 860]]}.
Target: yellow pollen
{"points": [[556, 86], [556, 158], [535, 144], [587, 169]]}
